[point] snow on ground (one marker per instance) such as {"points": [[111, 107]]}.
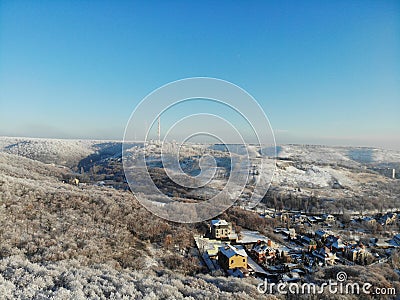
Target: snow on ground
{"points": [[21, 279], [315, 154], [315, 177], [249, 236]]}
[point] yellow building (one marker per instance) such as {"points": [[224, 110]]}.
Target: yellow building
{"points": [[232, 257]]}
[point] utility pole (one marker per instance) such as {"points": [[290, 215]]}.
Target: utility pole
{"points": [[159, 129]]}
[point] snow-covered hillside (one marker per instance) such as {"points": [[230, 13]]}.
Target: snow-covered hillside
{"points": [[305, 166], [56, 151], [349, 156]]}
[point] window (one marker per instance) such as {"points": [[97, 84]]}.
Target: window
{"points": [[244, 260], [231, 261]]}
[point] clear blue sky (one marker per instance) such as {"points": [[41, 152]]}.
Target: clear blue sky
{"points": [[325, 72]]}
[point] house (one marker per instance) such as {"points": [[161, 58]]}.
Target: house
{"points": [[387, 219], [368, 220], [311, 219], [335, 243], [312, 245], [382, 244], [321, 234], [299, 218], [221, 229], [356, 253], [309, 243], [328, 218], [325, 256], [262, 251], [318, 219], [291, 232], [232, 257], [396, 239]]}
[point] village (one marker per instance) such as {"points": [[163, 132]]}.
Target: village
{"points": [[299, 251], [297, 229]]}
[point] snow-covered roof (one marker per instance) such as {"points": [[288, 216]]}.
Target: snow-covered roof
{"points": [[356, 250], [262, 248], [230, 251], [338, 244], [219, 223], [327, 216], [381, 243], [320, 232]]}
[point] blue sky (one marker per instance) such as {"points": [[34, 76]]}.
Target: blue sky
{"points": [[325, 72]]}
